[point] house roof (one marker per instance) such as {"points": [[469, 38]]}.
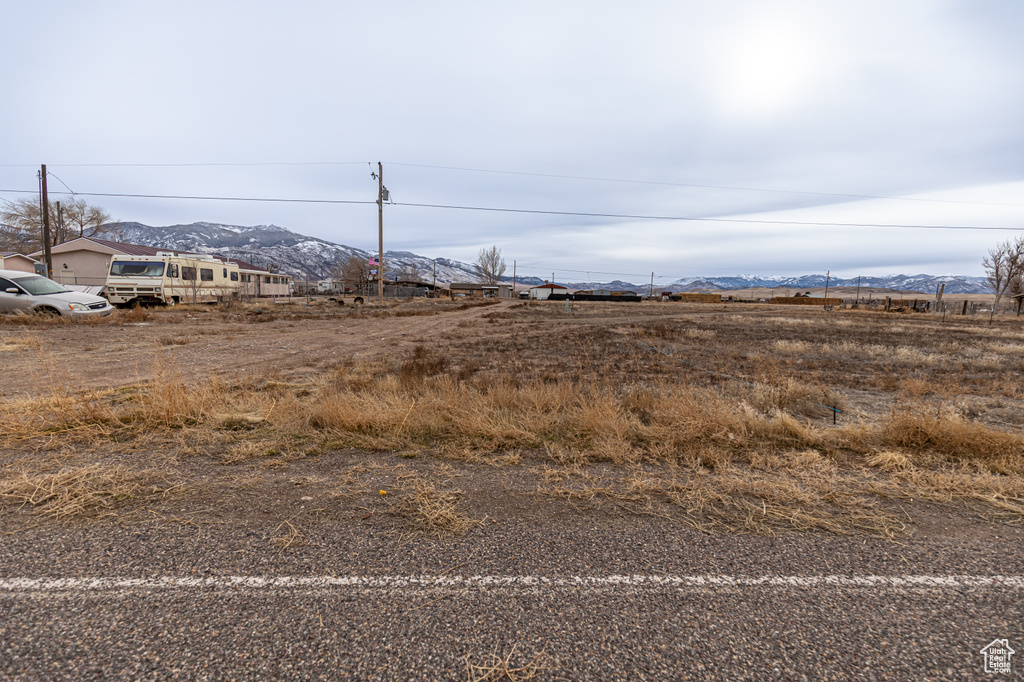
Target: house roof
{"points": [[549, 286], [128, 249], [244, 265], [117, 247], [139, 250]]}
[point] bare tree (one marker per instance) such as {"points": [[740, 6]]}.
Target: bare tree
{"points": [[490, 266], [81, 219], [1004, 267], [22, 227], [1016, 286], [22, 223], [354, 270], [409, 273]]}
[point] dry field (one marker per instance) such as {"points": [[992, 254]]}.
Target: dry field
{"points": [[442, 416]]}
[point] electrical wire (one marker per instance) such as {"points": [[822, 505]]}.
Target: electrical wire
{"points": [[187, 165], [528, 211], [665, 183], [545, 269], [61, 182], [202, 198], [634, 216]]}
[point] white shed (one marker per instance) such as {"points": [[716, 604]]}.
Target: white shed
{"points": [[545, 290]]}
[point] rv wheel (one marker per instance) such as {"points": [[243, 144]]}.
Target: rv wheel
{"points": [[358, 300]]}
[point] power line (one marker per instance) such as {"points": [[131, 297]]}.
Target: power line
{"points": [[201, 198], [547, 268], [528, 211], [189, 165], [664, 183], [634, 216], [61, 182], [700, 186]]}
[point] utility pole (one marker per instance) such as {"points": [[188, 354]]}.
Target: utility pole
{"points": [[858, 289], [60, 223], [380, 232], [515, 295], [828, 274], [47, 257], [435, 276], [652, 285]]}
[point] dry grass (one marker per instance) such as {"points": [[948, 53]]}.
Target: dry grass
{"points": [[802, 494], [74, 491], [290, 536], [889, 460], [756, 453], [943, 431], [432, 510], [654, 422], [496, 668]]}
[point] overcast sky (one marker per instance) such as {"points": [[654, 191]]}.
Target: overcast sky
{"points": [[766, 111]]}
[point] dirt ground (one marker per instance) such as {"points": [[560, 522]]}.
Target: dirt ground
{"points": [[290, 342], [843, 369]]}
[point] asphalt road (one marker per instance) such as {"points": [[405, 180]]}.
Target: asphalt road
{"points": [[580, 597]]}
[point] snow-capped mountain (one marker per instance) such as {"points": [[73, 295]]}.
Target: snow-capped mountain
{"points": [[286, 251], [955, 284], [302, 256]]}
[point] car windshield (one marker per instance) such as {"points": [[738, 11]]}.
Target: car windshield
{"points": [[127, 268], [40, 286]]}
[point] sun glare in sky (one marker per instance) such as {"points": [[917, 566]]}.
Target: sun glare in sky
{"points": [[767, 69]]}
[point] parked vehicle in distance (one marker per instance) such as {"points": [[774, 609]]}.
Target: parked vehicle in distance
{"points": [[26, 292], [168, 279]]}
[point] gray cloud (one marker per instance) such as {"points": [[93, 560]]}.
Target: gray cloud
{"points": [[877, 98]]}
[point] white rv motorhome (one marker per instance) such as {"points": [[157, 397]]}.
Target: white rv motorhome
{"points": [[168, 278]]}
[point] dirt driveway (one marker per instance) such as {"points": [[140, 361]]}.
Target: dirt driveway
{"points": [[287, 342]]}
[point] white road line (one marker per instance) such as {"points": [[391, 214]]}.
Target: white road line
{"points": [[422, 582]]}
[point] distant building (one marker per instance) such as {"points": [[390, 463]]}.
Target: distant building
{"points": [[20, 262], [477, 290], [544, 290], [257, 282]]}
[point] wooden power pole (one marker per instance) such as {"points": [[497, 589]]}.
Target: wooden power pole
{"points": [[47, 257], [380, 232]]}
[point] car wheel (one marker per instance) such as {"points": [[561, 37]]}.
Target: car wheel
{"points": [[47, 311]]}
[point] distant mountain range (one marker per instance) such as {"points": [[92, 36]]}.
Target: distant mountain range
{"points": [[955, 284], [278, 248], [309, 257]]}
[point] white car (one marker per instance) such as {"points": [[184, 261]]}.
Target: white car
{"points": [[35, 294]]}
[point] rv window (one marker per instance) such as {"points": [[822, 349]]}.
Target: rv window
{"points": [[234, 276], [206, 274], [172, 270], [266, 279], [188, 272], [125, 268], [225, 272]]}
